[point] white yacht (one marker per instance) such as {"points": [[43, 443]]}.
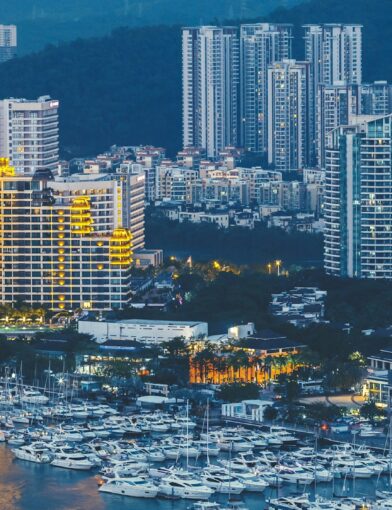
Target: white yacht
{"points": [[136, 487], [284, 435], [33, 453], [289, 503], [222, 482], [184, 487], [33, 397], [295, 475], [252, 482], [76, 461], [233, 443]]}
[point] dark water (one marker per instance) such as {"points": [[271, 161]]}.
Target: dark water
{"points": [[29, 486]]}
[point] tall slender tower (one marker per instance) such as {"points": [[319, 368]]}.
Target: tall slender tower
{"points": [[210, 88], [288, 139], [335, 55], [8, 42], [261, 44], [336, 106]]}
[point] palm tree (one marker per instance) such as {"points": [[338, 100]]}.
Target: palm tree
{"points": [[237, 360], [205, 360]]}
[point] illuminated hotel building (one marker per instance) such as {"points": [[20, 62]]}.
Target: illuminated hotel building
{"points": [[65, 243], [29, 133]]}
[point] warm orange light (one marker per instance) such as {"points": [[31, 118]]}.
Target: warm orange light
{"points": [[61, 297], [61, 243], [61, 282], [62, 306], [61, 259], [61, 266]]}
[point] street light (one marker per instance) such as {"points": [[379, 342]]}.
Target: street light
{"points": [[278, 263], [269, 265]]}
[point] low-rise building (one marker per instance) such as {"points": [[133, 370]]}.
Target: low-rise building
{"points": [[300, 306], [378, 382], [143, 331]]}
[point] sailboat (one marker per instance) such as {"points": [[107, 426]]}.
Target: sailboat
{"points": [[387, 494]]}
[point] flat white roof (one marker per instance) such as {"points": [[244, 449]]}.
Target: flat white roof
{"points": [[158, 322]]}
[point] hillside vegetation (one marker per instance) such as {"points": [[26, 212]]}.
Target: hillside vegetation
{"points": [[51, 21], [125, 88]]}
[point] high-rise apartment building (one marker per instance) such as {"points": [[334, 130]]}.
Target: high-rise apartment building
{"points": [[335, 55], [358, 200], [8, 42], [29, 133], [376, 98], [336, 106], [132, 192], [261, 44], [67, 242], [288, 85], [210, 67]]}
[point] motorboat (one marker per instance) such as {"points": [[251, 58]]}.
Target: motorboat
{"points": [[252, 482], [284, 435], [184, 487], [76, 461], [294, 474], [135, 486], [222, 482], [33, 397], [33, 453], [289, 503]]}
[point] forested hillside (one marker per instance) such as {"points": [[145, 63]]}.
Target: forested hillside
{"points": [[51, 21], [126, 88]]}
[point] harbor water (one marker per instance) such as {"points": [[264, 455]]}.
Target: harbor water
{"points": [[29, 486]]}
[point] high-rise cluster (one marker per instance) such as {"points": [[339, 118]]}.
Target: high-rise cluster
{"points": [[242, 87]]}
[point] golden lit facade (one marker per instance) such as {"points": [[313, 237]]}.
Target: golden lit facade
{"points": [[252, 367], [62, 242]]}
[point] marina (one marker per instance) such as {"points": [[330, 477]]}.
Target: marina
{"points": [[110, 460]]}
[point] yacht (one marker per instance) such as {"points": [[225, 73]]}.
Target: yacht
{"points": [[222, 482], [153, 454], [284, 435], [76, 461], [33, 453], [289, 503], [294, 475], [252, 482], [124, 468], [233, 443], [184, 487], [33, 397], [135, 486]]}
